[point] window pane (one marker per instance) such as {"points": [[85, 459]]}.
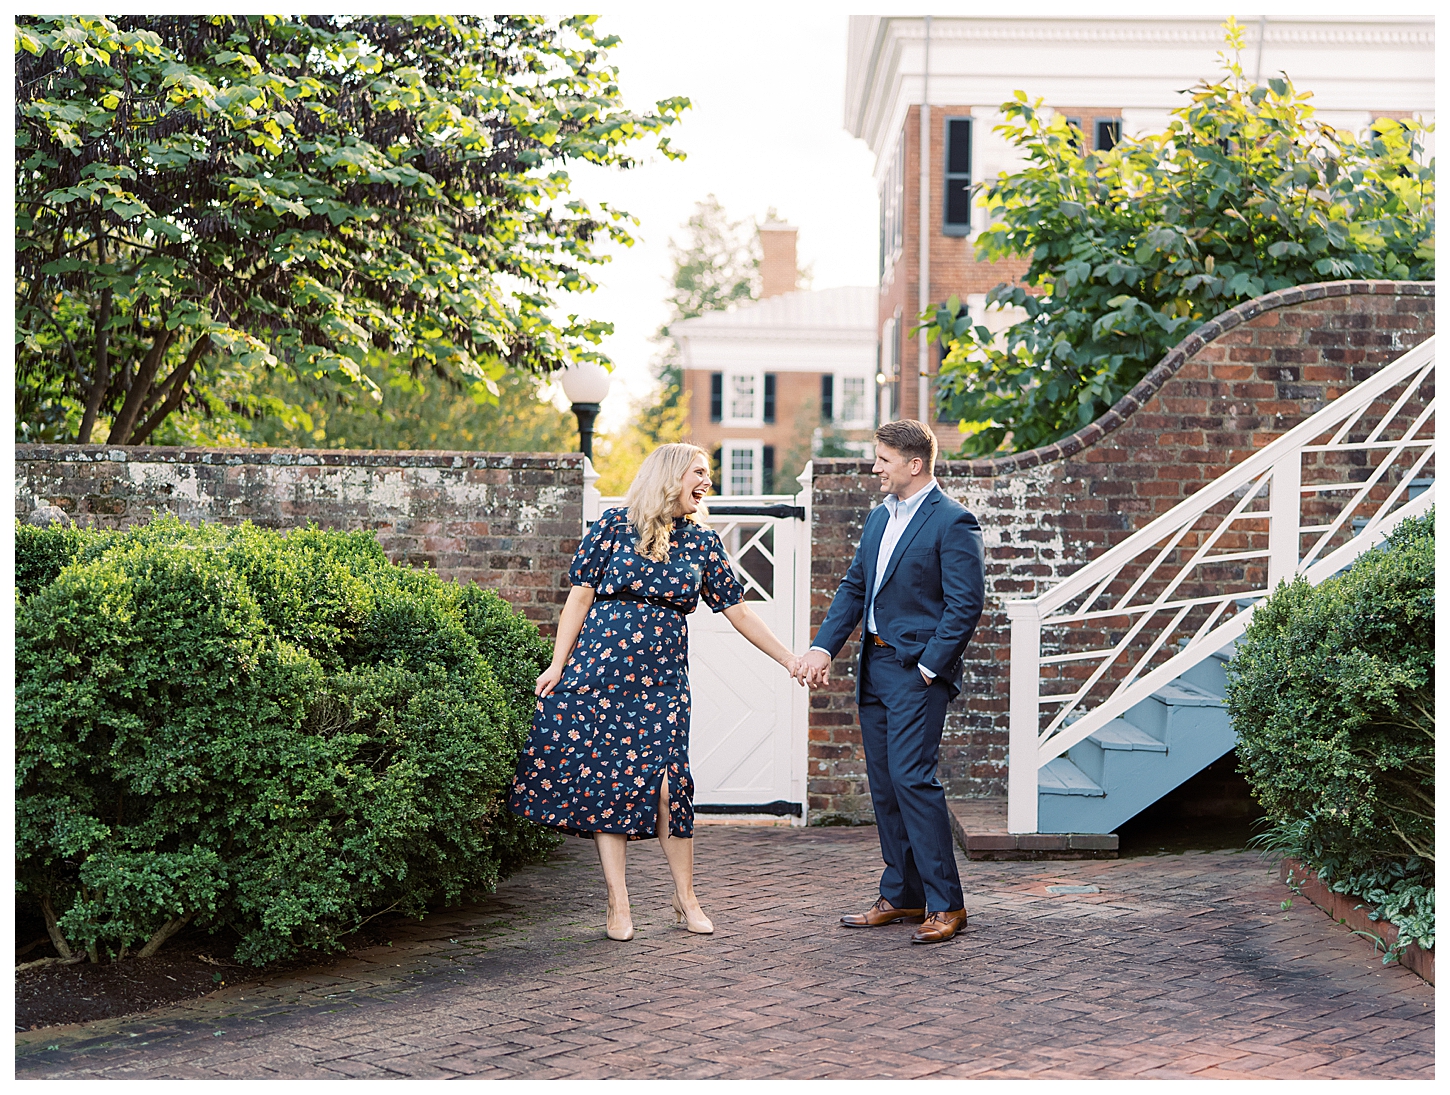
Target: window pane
{"points": [[742, 397], [959, 146], [959, 201], [742, 471], [1109, 132], [853, 398]]}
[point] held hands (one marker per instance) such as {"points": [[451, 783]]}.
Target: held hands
{"points": [[813, 668]]}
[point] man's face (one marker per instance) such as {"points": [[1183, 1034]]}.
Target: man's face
{"points": [[896, 471]]}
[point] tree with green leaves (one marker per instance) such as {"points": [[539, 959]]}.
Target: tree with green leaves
{"points": [[198, 194], [1129, 249]]}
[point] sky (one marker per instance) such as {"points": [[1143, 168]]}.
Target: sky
{"points": [[765, 130]]}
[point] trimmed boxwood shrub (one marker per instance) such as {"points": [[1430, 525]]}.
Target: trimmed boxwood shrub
{"points": [[1332, 692], [279, 735]]}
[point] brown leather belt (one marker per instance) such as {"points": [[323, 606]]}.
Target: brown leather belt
{"points": [[876, 640]]}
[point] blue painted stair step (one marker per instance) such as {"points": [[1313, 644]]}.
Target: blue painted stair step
{"points": [[1133, 761]]}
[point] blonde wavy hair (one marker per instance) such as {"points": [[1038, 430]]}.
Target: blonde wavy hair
{"points": [[653, 495]]}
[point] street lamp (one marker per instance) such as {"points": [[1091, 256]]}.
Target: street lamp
{"points": [[585, 385]]}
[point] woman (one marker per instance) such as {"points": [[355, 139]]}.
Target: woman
{"points": [[607, 757]]}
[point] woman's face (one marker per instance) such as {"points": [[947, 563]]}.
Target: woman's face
{"points": [[693, 487]]}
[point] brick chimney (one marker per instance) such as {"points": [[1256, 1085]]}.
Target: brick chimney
{"points": [[778, 272]]}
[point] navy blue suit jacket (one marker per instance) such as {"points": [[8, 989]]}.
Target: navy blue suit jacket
{"points": [[931, 596]]}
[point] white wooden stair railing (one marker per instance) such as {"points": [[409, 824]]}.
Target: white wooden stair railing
{"points": [[1307, 504]]}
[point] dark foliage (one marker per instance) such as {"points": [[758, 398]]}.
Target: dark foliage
{"points": [[283, 735]]}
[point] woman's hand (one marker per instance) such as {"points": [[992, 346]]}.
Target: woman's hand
{"points": [[547, 680]]}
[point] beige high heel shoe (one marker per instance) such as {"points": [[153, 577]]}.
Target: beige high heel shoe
{"points": [[618, 935], [698, 927]]}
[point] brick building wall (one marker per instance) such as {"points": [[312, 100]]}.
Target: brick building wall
{"points": [[508, 521], [953, 267], [1227, 390]]}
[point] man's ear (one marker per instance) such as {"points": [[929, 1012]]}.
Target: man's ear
{"points": [[915, 465]]}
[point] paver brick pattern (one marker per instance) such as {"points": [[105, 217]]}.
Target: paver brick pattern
{"points": [[1182, 965]]}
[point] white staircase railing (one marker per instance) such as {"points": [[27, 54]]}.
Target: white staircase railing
{"points": [[1309, 503]]}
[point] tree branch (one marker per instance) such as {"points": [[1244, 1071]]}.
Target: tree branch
{"points": [[163, 933], [140, 386], [52, 929], [177, 383], [102, 378]]}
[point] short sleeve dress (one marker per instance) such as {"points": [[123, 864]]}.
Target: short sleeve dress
{"points": [[619, 718]]}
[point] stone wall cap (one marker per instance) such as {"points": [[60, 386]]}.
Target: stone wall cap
{"points": [[337, 458]]}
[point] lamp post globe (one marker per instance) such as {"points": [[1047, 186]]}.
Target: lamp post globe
{"points": [[585, 385]]}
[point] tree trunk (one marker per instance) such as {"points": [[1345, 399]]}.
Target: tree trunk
{"points": [[175, 387], [146, 372], [101, 377], [163, 933], [52, 928], [101, 374]]}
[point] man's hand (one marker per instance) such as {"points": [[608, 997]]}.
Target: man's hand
{"points": [[816, 665], [926, 676]]}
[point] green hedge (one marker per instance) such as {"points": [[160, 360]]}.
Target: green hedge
{"points": [[1332, 692], [280, 735]]}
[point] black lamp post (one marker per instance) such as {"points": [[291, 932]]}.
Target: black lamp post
{"points": [[585, 385]]}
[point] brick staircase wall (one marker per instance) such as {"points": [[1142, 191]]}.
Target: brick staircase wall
{"points": [[508, 521], [1233, 386]]}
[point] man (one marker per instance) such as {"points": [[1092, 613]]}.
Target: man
{"points": [[917, 579]]}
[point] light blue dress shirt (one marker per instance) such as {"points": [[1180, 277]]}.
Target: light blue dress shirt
{"points": [[899, 515]]}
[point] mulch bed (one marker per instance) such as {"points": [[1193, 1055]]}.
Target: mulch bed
{"points": [[189, 966], [55, 995]]}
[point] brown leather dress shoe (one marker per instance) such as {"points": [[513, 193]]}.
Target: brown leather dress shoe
{"points": [[940, 926], [881, 913]]}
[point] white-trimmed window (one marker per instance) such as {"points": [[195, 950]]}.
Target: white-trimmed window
{"points": [[740, 465], [853, 404], [846, 400], [743, 399]]}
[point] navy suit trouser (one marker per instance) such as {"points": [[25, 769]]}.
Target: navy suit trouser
{"points": [[901, 727]]}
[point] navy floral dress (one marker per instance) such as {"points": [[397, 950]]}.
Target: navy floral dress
{"points": [[619, 718]]}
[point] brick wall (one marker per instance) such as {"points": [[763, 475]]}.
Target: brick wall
{"points": [[1230, 388], [508, 521]]}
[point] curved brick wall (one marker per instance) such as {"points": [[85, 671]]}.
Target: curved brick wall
{"points": [[1229, 388]]}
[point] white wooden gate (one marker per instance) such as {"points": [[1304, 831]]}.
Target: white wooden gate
{"points": [[748, 718]]}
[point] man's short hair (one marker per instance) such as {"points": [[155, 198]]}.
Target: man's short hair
{"points": [[911, 439]]}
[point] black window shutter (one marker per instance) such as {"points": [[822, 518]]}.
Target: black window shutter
{"points": [[717, 396], [719, 477], [828, 398], [769, 398], [959, 173], [767, 469]]}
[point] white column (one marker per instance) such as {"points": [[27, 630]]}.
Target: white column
{"points": [[800, 640], [1284, 502], [1023, 726]]}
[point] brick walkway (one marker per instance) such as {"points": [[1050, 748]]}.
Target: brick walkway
{"points": [[1182, 965]]}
